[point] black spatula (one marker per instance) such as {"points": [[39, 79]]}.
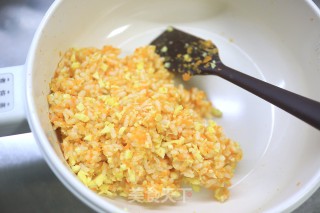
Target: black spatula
{"points": [[189, 55]]}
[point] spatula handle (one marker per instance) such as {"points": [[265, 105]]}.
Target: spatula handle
{"points": [[304, 108]]}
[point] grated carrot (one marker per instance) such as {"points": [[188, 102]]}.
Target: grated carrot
{"points": [[126, 126]]}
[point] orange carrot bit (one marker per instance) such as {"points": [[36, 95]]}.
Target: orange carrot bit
{"points": [[186, 76], [207, 59]]}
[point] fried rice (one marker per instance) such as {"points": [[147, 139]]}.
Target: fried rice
{"points": [[124, 126]]}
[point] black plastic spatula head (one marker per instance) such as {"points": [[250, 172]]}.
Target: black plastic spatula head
{"points": [[186, 53], [190, 55]]}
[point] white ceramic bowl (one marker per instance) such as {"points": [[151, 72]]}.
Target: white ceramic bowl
{"points": [[277, 41]]}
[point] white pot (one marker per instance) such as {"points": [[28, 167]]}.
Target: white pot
{"points": [[277, 41]]}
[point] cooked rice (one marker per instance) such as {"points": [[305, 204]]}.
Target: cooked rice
{"points": [[125, 126]]}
